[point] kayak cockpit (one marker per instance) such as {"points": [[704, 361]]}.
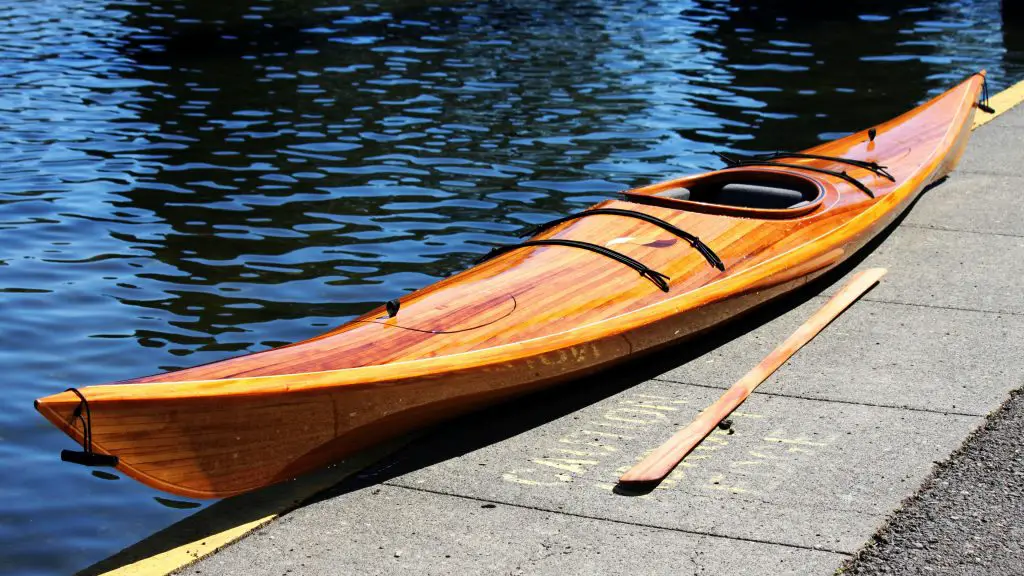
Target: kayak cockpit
{"points": [[760, 190], [751, 192]]}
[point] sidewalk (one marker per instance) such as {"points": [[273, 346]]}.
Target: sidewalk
{"points": [[821, 454]]}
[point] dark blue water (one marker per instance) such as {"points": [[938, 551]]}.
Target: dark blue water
{"points": [[181, 182]]}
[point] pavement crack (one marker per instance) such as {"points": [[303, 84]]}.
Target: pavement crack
{"points": [[831, 400], [960, 230], [825, 296], [937, 307], [622, 522], [988, 173]]}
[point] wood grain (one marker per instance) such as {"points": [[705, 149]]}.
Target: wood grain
{"points": [[236, 425], [657, 465]]}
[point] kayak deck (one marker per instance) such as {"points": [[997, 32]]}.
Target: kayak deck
{"points": [[523, 319]]}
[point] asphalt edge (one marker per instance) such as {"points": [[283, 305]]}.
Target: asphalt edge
{"points": [[182, 556], [939, 469]]}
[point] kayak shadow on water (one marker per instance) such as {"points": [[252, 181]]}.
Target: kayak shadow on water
{"points": [[449, 440]]}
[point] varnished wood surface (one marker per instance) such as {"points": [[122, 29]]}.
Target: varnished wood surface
{"points": [[525, 319], [657, 465]]}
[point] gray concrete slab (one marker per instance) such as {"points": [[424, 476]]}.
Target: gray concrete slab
{"points": [[945, 269], [797, 472], [879, 353], [995, 148], [972, 202], [391, 530], [1012, 119]]}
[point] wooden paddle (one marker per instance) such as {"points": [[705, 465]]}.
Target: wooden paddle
{"points": [[660, 462]]}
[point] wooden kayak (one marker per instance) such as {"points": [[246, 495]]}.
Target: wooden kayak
{"points": [[625, 277]]}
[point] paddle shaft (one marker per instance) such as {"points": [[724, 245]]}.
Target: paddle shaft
{"points": [[660, 462]]}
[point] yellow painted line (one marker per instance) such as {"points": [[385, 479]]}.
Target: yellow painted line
{"points": [[178, 557], [187, 541], [1001, 102]]}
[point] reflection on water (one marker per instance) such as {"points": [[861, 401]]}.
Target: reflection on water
{"points": [[184, 182], [176, 504], [104, 475]]}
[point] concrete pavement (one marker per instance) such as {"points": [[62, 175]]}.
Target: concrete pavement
{"points": [[819, 456]]}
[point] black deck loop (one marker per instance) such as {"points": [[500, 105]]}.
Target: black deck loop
{"points": [[660, 280], [983, 104], [86, 456], [738, 163], [694, 241], [865, 164]]}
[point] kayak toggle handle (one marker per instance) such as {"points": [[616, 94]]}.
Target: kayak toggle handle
{"points": [[983, 103], [85, 457], [88, 458]]}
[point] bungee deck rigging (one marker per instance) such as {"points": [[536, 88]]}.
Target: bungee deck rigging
{"points": [[694, 241], [865, 164], [660, 280], [754, 161]]}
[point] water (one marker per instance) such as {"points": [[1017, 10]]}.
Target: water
{"points": [[180, 182]]}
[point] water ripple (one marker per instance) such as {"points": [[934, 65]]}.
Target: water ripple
{"points": [[184, 182]]}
